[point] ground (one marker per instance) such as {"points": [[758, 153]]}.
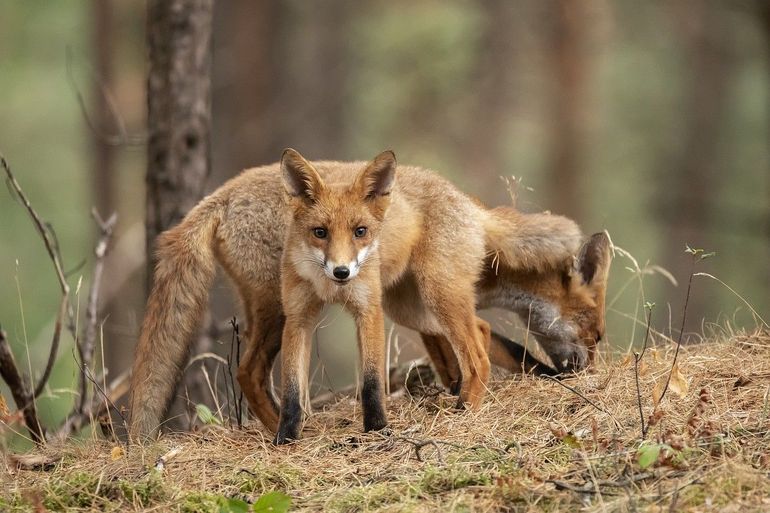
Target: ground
{"points": [[535, 445]]}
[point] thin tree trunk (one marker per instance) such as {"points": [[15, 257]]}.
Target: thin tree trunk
{"points": [[482, 154], [247, 70], [567, 41], [695, 169], [179, 111]]}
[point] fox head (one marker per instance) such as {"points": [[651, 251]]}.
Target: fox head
{"points": [[572, 331], [337, 225]]}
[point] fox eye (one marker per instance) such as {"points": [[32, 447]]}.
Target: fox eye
{"points": [[320, 233], [360, 231]]}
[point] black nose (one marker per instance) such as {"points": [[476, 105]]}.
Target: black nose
{"points": [[341, 272]]}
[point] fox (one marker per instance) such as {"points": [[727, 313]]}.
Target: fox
{"points": [[563, 307], [376, 237]]}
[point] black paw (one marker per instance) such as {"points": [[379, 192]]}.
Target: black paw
{"points": [[285, 436]]}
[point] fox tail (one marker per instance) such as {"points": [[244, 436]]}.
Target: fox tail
{"points": [[183, 275], [536, 242]]}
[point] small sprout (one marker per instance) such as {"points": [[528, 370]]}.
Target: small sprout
{"points": [[272, 502], [648, 305], [206, 416], [648, 454]]}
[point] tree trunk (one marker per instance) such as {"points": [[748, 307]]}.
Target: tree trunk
{"points": [[693, 175], [179, 111], [567, 41], [482, 154], [246, 78], [178, 124]]}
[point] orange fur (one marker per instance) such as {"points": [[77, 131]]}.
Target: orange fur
{"points": [[434, 244]]}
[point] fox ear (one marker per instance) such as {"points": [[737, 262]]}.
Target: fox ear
{"points": [[377, 179], [593, 260], [300, 178]]}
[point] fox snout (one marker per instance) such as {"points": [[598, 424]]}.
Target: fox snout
{"points": [[342, 272]]}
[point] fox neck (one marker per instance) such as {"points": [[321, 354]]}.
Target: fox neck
{"points": [[536, 303]]}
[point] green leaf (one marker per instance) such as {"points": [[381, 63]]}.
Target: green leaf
{"points": [[273, 502], [648, 454], [205, 414], [234, 506]]}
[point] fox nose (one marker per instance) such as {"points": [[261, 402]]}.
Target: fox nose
{"points": [[341, 272]]}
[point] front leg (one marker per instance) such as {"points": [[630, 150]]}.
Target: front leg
{"points": [[371, 343], [301, 312]]}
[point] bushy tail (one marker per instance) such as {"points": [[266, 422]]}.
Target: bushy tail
{"points": [[183, 275], [536, 242]]}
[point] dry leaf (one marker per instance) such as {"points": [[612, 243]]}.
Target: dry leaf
{"points": [[117, 453], [655, 354], [657, 391], [627, 361], [644, 369], [678, 383]]}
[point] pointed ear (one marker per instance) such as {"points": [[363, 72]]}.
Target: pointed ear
{"points": [[377, 179], [300, 178], [593, 260]]}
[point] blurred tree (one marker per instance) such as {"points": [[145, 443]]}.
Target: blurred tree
{"points": [[103, 152], [246, 82], [481, 153], [566, 41], [692, 176]]}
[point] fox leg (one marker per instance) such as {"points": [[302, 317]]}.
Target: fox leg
{"points": [[371, 343], [457, 317], [255, 376], [444, 360], [301, 312]]}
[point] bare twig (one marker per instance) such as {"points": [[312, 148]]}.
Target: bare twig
{"points": [[98, 405], [697, 255], [637, 359], [586, 399], [22, 395], [591, 487], [86, 348], [51, 247]]}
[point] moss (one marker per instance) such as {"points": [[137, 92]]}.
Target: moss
{"points": [[372, 497], [83, 490], [438, 480], [201, 503]]}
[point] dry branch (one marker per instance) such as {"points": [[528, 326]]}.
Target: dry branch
{"points": [[86, 347], [21, 392]]}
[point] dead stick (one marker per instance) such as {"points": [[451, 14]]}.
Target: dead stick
{"points": [[21, 393], [50, 247], [586, 399], [86, 349]]}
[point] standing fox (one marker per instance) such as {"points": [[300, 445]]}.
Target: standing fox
{"points": [[369, 236]]}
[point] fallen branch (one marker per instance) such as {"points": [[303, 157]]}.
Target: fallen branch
{"points": [[590, 487]]}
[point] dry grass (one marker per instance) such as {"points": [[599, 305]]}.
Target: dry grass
{"points": [[534, 446]]}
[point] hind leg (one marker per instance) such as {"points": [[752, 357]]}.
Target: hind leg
{"points": [[443, 357], [255, 376]]}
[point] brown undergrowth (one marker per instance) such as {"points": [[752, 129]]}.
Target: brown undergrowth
{"points": [[534, 446]]}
